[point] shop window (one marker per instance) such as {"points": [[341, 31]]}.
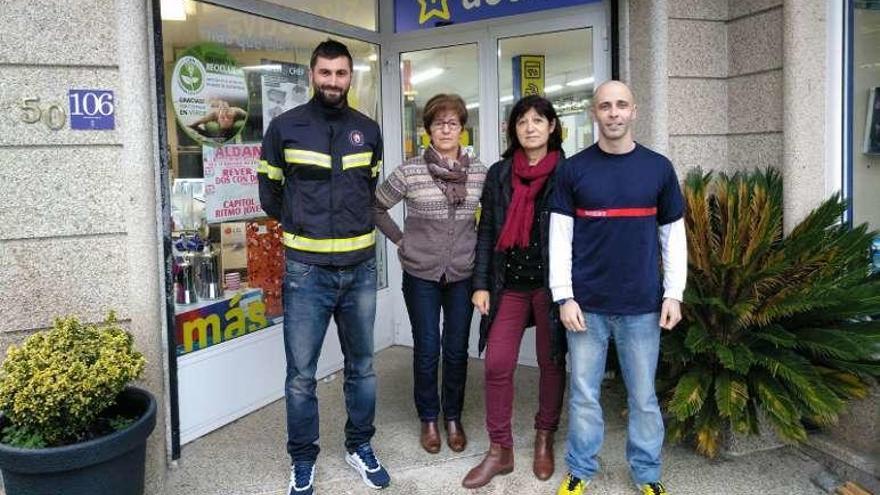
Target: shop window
{"points": [[557, 66], [361, 13], [227, 74], [866, 114]]}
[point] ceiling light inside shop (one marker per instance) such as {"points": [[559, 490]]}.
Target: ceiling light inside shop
{"points": [[361, 68], [471, 106], [173, 10], [373, 57], [552, 88], [427, 74], [505, 99], [580, 82], [265, 67]]}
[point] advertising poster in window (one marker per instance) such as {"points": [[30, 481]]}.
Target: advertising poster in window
{"points": [[214, 322], [528, 75], [231, 189], [209, 94], [283, 89]]}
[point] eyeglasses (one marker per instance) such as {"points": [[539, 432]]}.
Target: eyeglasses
{"points": [[453, 125]]}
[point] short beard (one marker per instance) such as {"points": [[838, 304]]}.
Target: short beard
{"points": [[330, 101]]}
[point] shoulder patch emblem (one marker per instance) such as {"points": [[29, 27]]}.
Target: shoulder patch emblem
{"points": [[356, 138]]}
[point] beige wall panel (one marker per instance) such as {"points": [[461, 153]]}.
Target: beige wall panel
{"points": [[58, 32], [715, 10], [756, 43], [751, 151], [697, 48], [50, 85], [706, 152], [44, 278], [739, 8], [697, 106], [755, 103], [61, 192]]}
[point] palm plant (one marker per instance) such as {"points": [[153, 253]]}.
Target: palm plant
{"points": [[774, 325]]}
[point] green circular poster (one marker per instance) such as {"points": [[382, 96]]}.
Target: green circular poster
{"points": [[209, 93]]}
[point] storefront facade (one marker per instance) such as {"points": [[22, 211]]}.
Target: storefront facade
{"points": [[151, 208], [229, 69]]}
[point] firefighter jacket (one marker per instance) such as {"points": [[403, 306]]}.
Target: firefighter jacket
{"points": [[317, 173]]}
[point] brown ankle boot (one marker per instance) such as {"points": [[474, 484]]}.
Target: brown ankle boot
{"points": [[543, 463], [430, 437], [499, 460], [455, 437]]}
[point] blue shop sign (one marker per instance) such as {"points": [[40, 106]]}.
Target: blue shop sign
{"points": [[411, 15]]}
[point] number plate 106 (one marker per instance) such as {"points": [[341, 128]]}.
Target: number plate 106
{"points": [[92, 109]]}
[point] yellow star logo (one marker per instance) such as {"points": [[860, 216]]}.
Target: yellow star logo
{"points": [[427, 13]]}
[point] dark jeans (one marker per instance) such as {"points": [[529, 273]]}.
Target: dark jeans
{"points": [[424, 299], [312, 295]]}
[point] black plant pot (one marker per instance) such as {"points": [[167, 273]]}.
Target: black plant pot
{"points": [[109, 465]]}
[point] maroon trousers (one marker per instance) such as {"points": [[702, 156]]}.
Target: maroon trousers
{"points": [[502, 352]]}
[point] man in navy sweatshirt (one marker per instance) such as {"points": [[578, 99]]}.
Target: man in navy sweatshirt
{"points": [[616, 214]]}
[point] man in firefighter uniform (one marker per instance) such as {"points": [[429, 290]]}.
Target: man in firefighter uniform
{"points": [[317, 174]]}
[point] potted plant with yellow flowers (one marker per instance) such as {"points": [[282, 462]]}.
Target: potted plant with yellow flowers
{"points": [[69, 421]]}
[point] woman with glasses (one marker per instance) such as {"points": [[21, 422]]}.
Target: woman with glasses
{"points": [[441, 189], [511, 285]]}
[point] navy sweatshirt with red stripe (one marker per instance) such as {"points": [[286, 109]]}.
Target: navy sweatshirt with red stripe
{"points": [[617, 202]]}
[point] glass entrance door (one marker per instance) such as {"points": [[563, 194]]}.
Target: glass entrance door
{"points": [[426, 73], [569, 49], [479, 63], [558, 66]]}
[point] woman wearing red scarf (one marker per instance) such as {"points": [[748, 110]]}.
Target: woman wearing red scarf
{"points": [[510, 285]]}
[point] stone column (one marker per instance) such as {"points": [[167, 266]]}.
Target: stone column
{"points": [[645, 26], [804, 53], [139, 181]]}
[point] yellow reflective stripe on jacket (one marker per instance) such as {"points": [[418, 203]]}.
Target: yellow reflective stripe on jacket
{"points": [[376, 168], [302, 243], [357, 160], [305, 157], [272, 172]]}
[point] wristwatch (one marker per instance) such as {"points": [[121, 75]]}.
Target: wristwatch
{"points": [[563, 301]]}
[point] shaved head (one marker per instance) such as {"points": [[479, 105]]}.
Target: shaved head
{"points": [[609, 89], [614, 111]]}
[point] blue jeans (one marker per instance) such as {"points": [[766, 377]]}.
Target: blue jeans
{"points": [[312, 295], [637, 338], [424, 300]]}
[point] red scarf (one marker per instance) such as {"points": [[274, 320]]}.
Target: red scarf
{"points": [[527, 183]]}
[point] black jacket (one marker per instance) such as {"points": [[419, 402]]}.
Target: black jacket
{"points": [[490, 265], [317, 175]]}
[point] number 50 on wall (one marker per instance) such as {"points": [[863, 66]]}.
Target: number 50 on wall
{"points": [[32, 111], [90, 109]]}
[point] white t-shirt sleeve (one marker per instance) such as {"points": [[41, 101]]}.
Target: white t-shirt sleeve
{"points": [[561, 235], [673, 249]]}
